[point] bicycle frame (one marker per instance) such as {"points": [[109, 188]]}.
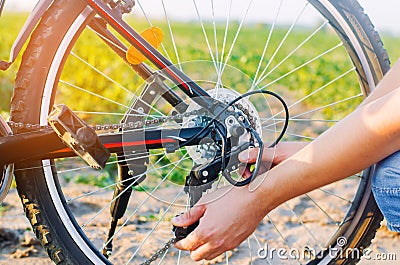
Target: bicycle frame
{"points": [[46, 144], [188, 86], [54, 148]]}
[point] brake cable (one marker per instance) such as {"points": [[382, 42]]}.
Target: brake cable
{"points": [[250, 130]]}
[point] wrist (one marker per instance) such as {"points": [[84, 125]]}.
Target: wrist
{"points": [[264, 193]]}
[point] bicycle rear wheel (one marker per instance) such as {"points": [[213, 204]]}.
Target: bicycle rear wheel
{"points": [[323, 57]]}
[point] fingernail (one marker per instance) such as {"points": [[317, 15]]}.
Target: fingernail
{"points": [[176, 219]]}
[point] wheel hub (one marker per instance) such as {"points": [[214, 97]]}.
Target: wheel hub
{"points": [[207, 150]]}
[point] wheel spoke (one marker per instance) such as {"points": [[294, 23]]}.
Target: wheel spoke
{"points": [[335, 195], [284, 239], [215, 37], [322, 87], [133, 213], [67, 170], [32, 168], [300, 120], [236, 37], [155, 226], [303, 224], [199, 18], [250, 254], [107, 99], [319, 108], [262, 77], [102, 74], [179, 257], [112, 185], [271, 31], [115, 82], [291, 53], [328, 105], [163, 256], [292, 134], [312, 94], [228, 17], [222, 46], [135, 156], [151, 25], [114, 199], [171, 35], [322, 209], [301, 66], [104, 38], [112, 114]]}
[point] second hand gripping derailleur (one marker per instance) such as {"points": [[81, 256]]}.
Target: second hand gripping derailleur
{"points": [[201, 179]]}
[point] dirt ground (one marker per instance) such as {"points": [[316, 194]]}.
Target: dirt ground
{"points": [[19, 246]]}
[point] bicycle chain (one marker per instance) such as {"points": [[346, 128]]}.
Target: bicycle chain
{"points": [[160, 252], [108, 127], [28, 127], [138, 125]]}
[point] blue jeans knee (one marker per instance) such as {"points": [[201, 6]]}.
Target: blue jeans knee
{"points": [[386, 189]]}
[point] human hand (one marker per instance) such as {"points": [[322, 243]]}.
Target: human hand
{"points": [[227, 217], [271, 156]]}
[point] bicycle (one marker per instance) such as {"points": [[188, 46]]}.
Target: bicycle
{"points": [[188, 106]]}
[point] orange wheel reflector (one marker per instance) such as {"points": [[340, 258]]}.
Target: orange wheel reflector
{"points": [[152, 35]]}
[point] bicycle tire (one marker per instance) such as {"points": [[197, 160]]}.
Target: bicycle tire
{"points": [[53, 228]]}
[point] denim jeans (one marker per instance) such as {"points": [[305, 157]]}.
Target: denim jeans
{"points": [[386, 189]]}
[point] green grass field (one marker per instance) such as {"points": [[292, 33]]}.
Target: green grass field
{"points": [[243, 59]]}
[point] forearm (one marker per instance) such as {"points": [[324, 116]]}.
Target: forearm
{"points": [[366, 136]]}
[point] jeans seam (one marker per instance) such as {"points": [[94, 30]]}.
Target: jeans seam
{"points": [[385, 189]]}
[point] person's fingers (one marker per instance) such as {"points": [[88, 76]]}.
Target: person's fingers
{"points": [[213, 255], [189, 217], [250, 155], [191, 242], [244, 171], [206, 251]]}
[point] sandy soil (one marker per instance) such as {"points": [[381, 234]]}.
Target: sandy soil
{"points": [[19, 246]]}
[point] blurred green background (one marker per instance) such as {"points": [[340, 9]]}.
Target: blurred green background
{"points": [[322, 71], [10, 23]]}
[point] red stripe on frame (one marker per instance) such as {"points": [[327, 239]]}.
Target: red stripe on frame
{"points": [[126, 144], [136, 143]]}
